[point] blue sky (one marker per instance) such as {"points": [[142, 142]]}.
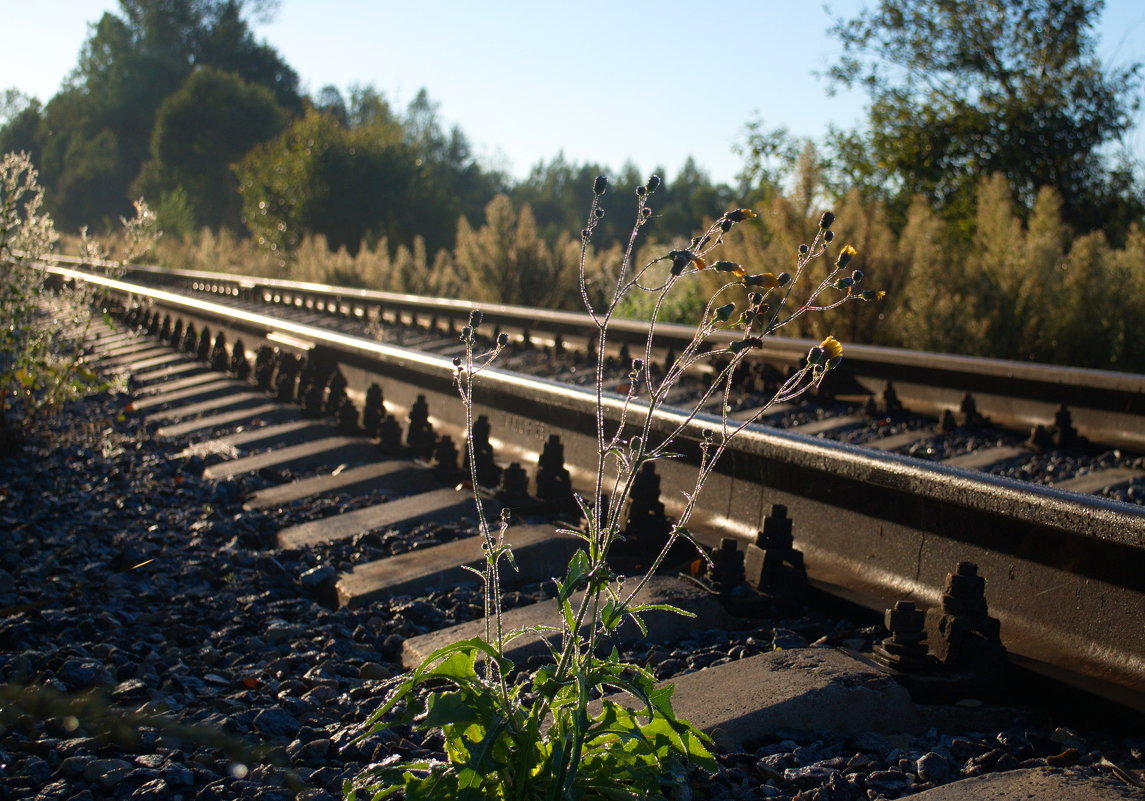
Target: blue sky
{"points": [[606, 82]]}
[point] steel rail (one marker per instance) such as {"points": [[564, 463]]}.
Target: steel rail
{"points": [[1065, 572], [1105, 406]]}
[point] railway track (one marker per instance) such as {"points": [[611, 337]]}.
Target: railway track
{"points": [[1062, 569]]}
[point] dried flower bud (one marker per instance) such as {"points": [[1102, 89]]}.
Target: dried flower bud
{"points": [[845, 282], [599, 185], [724, 313], [599, 213], [872, 294], [816, 356], [845, 256], [502, 339], [826, 220], [653, 183], [475, 317], [457, 362], [466, 334], [585, 233], [725, 225], [829, 236], [680, 260], [755, 298], [783, 278], [745, 344], [857, 276], [804, 249], [641, 191], [646, 212], [765, 280], [637, 365], [739, 215]]}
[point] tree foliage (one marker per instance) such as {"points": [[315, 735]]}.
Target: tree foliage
{"points": [[962, 90], [204, 127], [93, 138]]}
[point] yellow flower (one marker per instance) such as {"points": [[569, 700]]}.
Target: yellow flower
{"points": [[832, 348], [845, 256]]}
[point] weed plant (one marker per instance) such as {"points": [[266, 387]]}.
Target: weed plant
{"points": [[553, 733], [41, 362]]}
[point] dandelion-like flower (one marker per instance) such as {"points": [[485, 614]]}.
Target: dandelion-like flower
{"points": [[832, 348]]}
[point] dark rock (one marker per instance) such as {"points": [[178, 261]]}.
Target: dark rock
{"points": [[890, 783], [963, 750], [276, 723], [35, 769], [809, 776], [107, 773], [156, 788], [933, 768], [372, 671]]}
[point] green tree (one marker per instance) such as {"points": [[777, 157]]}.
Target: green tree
{"points": [[319, 177], [131, 62], [200, 131], [961, 90]]}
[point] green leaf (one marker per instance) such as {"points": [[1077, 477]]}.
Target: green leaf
{"points": [[611, 615], [662, 608], [578, 569]]}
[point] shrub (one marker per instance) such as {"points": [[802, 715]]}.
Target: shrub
{"points": [[41, 363]]}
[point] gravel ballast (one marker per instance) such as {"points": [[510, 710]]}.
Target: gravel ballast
{"points": [[155, 645]]}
